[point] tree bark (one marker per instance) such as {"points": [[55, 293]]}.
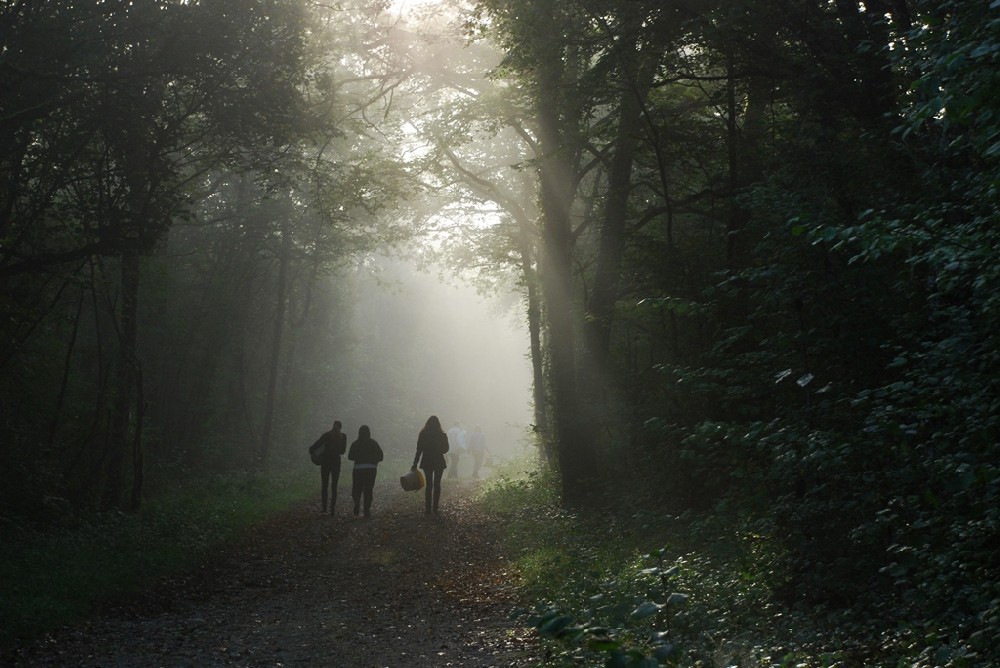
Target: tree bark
{"points": [[279, 325], [138, 460], [530, 275], [636, 84], [574, 443], [125, 380], [67, 367]]}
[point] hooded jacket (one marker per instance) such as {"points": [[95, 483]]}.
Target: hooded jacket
{"points": [[365, 452]]}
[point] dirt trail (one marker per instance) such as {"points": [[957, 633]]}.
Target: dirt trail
{"points": [[398, 589]]}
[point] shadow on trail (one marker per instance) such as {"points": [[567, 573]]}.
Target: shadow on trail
{"points": [[400, 588]]}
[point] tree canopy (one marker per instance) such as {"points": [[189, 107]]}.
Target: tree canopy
{"points": [[755, 243]]}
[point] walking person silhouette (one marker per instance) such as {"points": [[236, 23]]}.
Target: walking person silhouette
{"points": [[328, 449], [366, 453], [432, 444]]}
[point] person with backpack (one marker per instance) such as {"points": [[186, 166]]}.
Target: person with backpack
{"points": [[432, 444], [326, 452], [366, 453]]}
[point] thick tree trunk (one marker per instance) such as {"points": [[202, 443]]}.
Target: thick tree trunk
{"points": [[574, 442], [607, 280], [535, 339]]}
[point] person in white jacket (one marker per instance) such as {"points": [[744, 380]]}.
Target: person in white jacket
{"points": [[456, 439], [476, 442]]}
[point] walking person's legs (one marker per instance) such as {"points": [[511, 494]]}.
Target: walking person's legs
{"points": [[334, 481], [357, 484], [324, 477], [437, 488], [369, 488], [431, 475]]}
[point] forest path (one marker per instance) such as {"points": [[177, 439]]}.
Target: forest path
{"points": [[400, 588]]}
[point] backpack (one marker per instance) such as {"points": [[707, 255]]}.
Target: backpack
{"points": [[316, 451]]}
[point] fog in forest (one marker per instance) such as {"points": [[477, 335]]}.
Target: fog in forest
{"points": [[430, 346], [736, 262]]}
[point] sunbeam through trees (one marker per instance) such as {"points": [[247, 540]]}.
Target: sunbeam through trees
{"points": [[715, 275]]}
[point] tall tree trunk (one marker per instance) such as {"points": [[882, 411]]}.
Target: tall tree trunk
{"points": [[744, 147], [297, 317], [138, 461], [525, 240], [574, 443], [637, 81], [737, 215], [279, 325], [125, 379], [534, 308], [67, 366]]}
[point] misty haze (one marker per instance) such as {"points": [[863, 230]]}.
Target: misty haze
{"points": [[436, 348], [500, 333]]}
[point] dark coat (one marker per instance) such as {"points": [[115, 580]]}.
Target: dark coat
{"points": [[365, 451], [334, 444], [328, 448], [431, 447]]}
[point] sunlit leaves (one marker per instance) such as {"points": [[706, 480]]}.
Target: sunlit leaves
{"points": [[623, 627], [645, 609]]}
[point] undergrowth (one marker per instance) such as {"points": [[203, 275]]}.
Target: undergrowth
{"points": [[643, 588], [54, 577]]}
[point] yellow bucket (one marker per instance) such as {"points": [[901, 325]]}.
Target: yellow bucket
{"points": [[412, 481]]}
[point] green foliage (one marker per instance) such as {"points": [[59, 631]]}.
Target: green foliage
{"points": [[842, 397], [192, 118], [804, 348], [600, 593], [58, 576]]}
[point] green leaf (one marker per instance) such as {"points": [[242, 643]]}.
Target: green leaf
{"points": [[898, 362], [645, 610], [553, 626], [603, 644], [570, 633], [664, 652], [644, 662], [676, 599]]}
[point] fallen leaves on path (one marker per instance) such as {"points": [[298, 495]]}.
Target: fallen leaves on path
{"points": [[400, 588]]}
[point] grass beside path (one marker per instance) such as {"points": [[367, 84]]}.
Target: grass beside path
{"points": [[57, 577]]}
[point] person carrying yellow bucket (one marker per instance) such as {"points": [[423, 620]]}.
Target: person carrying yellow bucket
{"points": [[432, 444], [412, 480]]}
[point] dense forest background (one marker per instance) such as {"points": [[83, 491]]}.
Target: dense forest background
{"points": [[754, 246]]}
